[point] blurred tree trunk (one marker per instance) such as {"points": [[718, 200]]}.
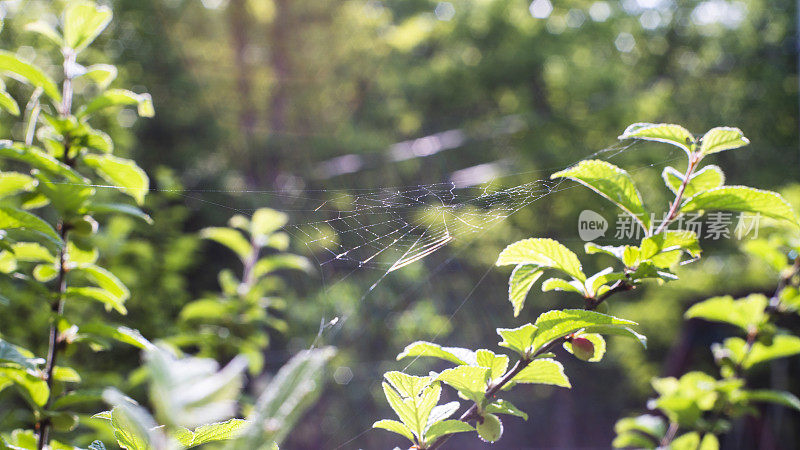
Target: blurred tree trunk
{"points": [[279, 40], [239, 25]]}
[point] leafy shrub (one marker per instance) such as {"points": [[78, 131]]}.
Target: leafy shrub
{"points": [[482, 376], [50, 208]]}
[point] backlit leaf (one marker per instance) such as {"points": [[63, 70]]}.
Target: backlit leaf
{"points": [[83, 22], [543, 371], [708, 177], [742, 199], [612, 183], [746, 313], [121, 172], [28, 73], [453, 354], [661, 132], [722, 138], [542, 252], [519, 284]]}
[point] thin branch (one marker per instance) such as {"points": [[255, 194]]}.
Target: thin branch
{"points": [[670, 435], [54, 346], [694, 159]]}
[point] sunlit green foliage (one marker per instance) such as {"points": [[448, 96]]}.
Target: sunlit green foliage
{"points": [[481, 376], [67, 181], [238, 320]]}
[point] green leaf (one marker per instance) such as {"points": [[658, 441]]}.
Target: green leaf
{"points": [[414, 410], [688, 441], [597, 281], [742, 199], [709, 177], [102, 74], [558, 284], [650, 426], [746, 313], [289, 394], [782, 346], [83, 22], [266, 221], [78, 397], [28, 73], [633, 440], [517, 339], [395, 427], [782, 398], [442, 412], [233, 239], [470, 381], [490, 428], [520, 283], [497, 364], [81, 254], [720, 139], [121, 208], [121, 172], [66, 374], [612, 183], [212, 432], [10, 353], [615, 330], [404, 409], [542, 371], [34, 388], [32, 252], [212, 390], [134, 428], [8, 103], [119, 333], [45, 29], [559, 323], [11, 218], [40, 160], [97, 294], [14, 182], [281, 261], [106, 280], [661, 132], [204, 309], [446, 427], [68, 198], [669, 241], [453, 354], [118, 97], [20, 439], [407, 385], [424, 405], [501, 406], [709, 442], [542, 252]]}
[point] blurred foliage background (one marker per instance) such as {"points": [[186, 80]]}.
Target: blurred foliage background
{"points": [[267, 103]]}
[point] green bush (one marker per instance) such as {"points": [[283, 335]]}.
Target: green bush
{"points": [[482, 376]]}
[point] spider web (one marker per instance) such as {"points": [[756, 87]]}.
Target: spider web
{"points": [[393, 227]]}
